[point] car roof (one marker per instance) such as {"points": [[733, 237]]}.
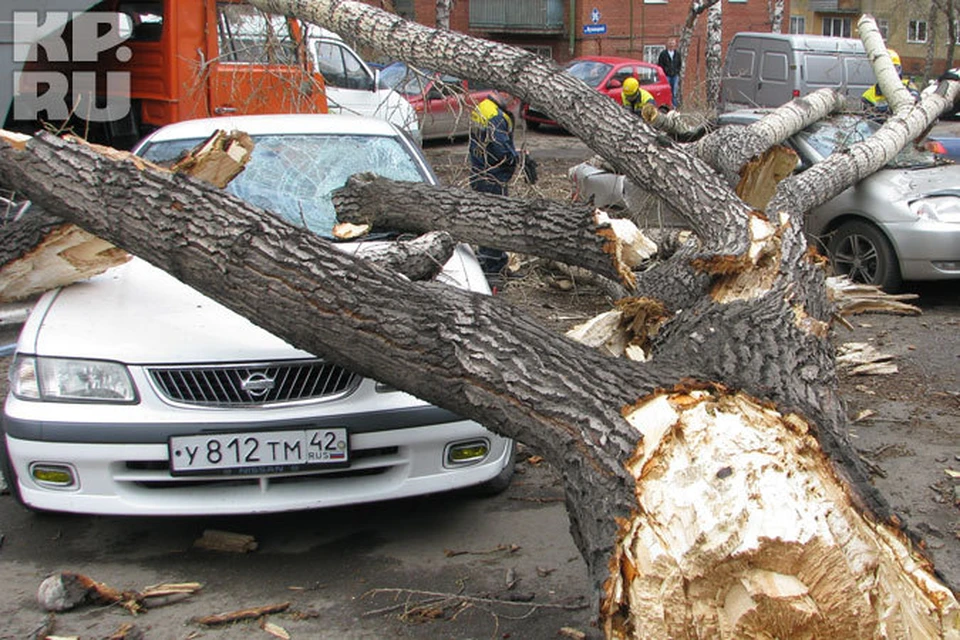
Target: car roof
{"points": [[742, 116], [614, 60], [311, 123]]}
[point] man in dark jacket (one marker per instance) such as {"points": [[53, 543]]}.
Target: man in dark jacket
{"points": [[669, 60], [493, 161]]}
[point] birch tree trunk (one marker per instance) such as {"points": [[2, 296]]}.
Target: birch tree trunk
{"points": [[714, 54], [775, 10], [686, 34], [712, 488], [444, 8]]}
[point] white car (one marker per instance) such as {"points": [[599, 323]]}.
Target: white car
{"points": [[353, 88], [133, 394]]}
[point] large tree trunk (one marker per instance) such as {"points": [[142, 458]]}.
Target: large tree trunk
{"points": [[712, 488]]}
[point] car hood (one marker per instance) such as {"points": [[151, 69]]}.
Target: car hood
{"points": [[910, 184], [139, 314]]}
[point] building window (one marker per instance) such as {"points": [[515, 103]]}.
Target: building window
{"points": [[541, 50], [798, 24], [652, 51], [956, 31], [837, 27], [883, 26], [917, 31]]}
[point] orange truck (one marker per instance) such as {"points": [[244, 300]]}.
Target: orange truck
{"points": [[122, 68]]}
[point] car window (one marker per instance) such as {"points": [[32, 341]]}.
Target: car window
{"points": [[340, 68], [647, 75], [589, 71], [294, 175], [246, 34], [622, 74]]}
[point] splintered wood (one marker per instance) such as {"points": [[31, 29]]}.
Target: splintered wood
{"points": [[63, 253], [743, 530]]}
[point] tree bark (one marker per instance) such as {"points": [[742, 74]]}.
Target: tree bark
{"points": [[775, 9], [714, 54], [711, 489]]}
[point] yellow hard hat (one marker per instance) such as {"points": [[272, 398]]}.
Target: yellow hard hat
{"points": [[631, 87], [894, 57]]}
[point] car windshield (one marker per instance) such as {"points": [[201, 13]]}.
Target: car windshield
{"points": [[589, 71], [294, 175], [837, 134], [405, 80]]}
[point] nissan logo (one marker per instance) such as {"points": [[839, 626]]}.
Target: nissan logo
{"points": [[257, 385]]}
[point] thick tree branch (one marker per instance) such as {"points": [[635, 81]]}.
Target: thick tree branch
{"points": [[651, 160], [576, 235], [825, 180]]}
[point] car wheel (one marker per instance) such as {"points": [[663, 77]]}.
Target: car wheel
{"points": [[860, 251]]}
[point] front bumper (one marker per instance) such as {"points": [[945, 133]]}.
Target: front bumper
{"points": [[134, 478]]}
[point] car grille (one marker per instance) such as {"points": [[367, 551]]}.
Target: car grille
{"points": [[254, 384]]}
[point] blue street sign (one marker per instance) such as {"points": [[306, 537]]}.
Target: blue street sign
{"points": [[594, 29]]}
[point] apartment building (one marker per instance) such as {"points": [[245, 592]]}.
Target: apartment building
{"points": [[564, 29], [908, 26]]}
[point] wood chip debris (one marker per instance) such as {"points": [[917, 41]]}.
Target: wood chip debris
{"points": [[511, 548], [242, 614], [862, 359], [274, 629], [215, 540], [66, 590]]}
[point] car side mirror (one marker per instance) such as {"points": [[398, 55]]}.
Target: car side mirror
{"points": [[614, 84]]}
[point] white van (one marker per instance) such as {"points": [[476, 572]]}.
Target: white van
{"points": [[352, 87], [770, 69]]}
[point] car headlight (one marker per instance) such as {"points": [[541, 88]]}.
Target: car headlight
{"points": [[937, 209], [66, 380]]}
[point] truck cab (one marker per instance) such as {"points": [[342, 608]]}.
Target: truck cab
{"points": [[164, 61]]}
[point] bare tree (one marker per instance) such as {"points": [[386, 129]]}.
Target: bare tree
{"points": [[686, 34], [714, 53], [711, 488], [775, 11], [444, 8]]}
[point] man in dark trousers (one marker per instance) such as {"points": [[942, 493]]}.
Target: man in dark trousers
{"points": [[669, 60], [493, 161]]}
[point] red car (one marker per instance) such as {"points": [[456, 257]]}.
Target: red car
{"points": [[606, 74], [442, 102]]}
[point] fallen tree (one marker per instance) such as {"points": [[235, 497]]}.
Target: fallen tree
{"points": [[712, 488]]}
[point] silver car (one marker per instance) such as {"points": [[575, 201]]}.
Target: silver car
{"points": [[901, 223]]}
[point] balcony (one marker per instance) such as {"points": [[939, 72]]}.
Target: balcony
{"points": [[835, 6], [513, 16]]}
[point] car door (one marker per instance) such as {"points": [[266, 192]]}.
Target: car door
{"points": [[444, 108], [349, 84]]}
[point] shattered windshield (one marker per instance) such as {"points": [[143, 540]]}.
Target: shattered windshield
{"points": [[294, 175], [589, 71], [837, 134]]}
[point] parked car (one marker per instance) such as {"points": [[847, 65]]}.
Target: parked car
{"points": [[442, 102], [606, 74], [353, 87], [133, 394], [901, 223]]}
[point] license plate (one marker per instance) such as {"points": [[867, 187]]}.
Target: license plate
{"points": [[258, 453]]}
